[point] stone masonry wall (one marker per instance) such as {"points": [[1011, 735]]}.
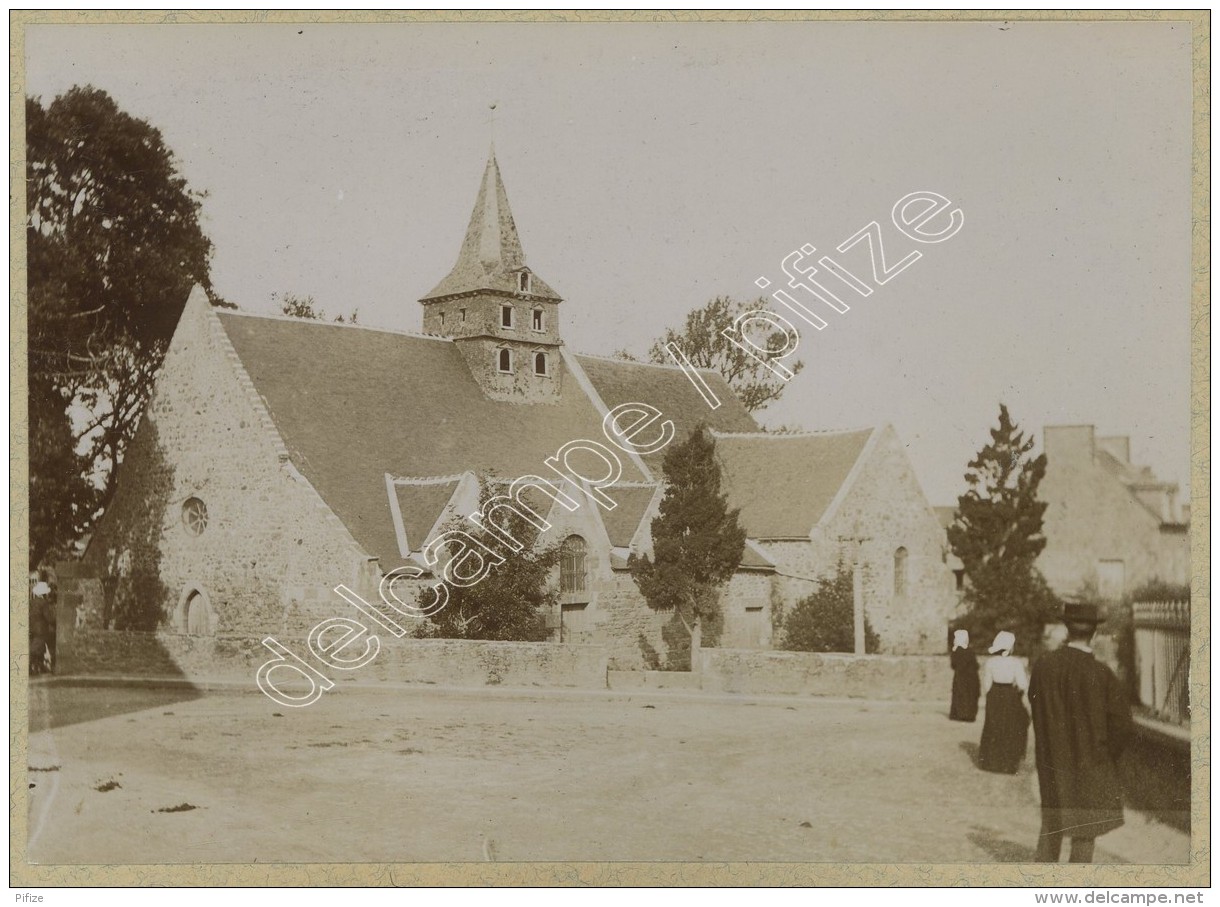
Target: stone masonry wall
{"points": [[886, 508], [907, 678], [1092, 516], [271, 551], [99, 653]]}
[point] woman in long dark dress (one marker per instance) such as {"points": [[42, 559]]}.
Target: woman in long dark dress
{"points": [[964, 705], [1006, 724]]}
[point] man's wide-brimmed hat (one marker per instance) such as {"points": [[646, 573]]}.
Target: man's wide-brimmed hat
{"points": [[1081, 613]]}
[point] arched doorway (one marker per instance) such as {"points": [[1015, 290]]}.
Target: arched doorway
{"points": [[195, 616]]}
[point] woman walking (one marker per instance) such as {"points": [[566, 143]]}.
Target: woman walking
{"points": [[1006, 724], [964, 704]]}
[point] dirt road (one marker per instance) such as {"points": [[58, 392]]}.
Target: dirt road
{"points": [[405, 775]]}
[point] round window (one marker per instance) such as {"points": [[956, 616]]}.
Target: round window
{"points": [[194, 516]]}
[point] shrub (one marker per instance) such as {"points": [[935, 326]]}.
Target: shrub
{"points": [[824, 622]]}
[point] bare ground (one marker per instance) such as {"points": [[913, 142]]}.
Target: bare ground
{"points": [[125, 775]]}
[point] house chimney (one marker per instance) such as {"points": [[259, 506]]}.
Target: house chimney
{"points": [[1068, 442]]}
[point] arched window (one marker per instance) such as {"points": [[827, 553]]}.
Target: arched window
{"points": [[504, 360], [524, 278], [572, 566], [539, 363], [900, 572]]}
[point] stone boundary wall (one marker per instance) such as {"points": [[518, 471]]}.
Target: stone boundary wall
{"points": [[474, 663], [455, 662], [893, 677]]}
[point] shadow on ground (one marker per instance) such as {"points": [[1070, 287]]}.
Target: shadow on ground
{"points": [[58, 705], [971, 749], [1001, 849]]}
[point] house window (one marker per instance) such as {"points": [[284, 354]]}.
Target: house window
{"points": [[194, 516], [959, 580], [538, 322], [572, 566], [463, 311], [523, 281], [504, 360], [900, 572], [539, 363], [506, 316], [442, 319]]}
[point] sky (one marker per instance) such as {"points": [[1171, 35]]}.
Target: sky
{"points": [[651, 167]]}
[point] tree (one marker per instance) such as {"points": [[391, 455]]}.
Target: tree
{"points": [[307, 307], [114, 246], [997, 534], [824, 621], [696, 539], [703, 341], [511, 602]]}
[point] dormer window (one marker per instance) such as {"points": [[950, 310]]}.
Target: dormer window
{"points": [[539, 323], [504, 361], [523, 281], [506, 316], [539, 363]]}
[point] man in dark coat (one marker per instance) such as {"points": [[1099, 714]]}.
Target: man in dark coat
{"points": [[1082, 722]]}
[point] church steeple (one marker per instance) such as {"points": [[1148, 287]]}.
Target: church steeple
{"points": [[503, 317], [491, 259]]}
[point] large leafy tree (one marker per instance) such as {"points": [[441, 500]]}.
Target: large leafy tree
{"points": [[997, 534], [511, 602], [114, 246], [702, 340], [697, 540]]}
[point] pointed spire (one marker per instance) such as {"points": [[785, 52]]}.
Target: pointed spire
{"points": [[491, 257]]}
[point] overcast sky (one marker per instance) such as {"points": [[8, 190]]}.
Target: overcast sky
{"points": [[651, 167]]}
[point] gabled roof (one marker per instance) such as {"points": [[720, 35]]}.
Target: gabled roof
{"points": [[784, 484], [353, 404], [421, 502], [622, 522], [491, 257], [618, 381]]}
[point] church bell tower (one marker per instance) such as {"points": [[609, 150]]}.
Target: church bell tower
{"points": [[502, 316]]}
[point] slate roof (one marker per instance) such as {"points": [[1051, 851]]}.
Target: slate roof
{"points": [[491, 257], [618, 381], [785, 483], [353, 404], [421, 503], [632, 501]]}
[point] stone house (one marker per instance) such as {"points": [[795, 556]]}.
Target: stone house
{"points": [[1109, 523], [281, 457]]}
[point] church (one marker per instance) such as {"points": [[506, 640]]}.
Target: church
{"points": [[282, 457]]}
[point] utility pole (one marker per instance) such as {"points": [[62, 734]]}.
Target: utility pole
{"points": [[857, 590]]}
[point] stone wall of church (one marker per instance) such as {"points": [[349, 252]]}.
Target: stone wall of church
{"points": [[521, 384], [270, 552], [908, 599], [746, 606]]}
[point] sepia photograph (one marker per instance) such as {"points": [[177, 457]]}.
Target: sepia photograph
{"points": [[684, 449]]}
